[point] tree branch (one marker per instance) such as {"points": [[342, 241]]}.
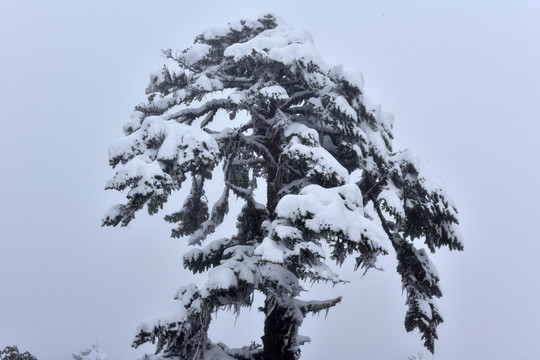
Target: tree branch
{"points": [[316, 306]]}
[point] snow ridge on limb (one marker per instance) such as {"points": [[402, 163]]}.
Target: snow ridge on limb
{"points": [[257, 98]]}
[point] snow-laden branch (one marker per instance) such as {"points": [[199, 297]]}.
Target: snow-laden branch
{"points": [[317, 306]]}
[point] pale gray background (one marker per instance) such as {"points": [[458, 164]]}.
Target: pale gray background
{"points": [[461, 77]]}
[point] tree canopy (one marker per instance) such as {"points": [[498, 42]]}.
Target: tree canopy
{"points": [[312, 159]]}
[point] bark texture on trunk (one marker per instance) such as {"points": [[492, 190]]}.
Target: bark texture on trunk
{"points": [[280, 333]]}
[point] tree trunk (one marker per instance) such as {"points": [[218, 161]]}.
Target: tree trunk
{"points": [[281, 323], [273, 186], [280, 333]]}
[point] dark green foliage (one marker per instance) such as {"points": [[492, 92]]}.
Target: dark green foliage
{"points": [[193, 213]]}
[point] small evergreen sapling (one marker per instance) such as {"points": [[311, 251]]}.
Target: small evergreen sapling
{"points": [[12, 353], [93, 353], [324, 155]]}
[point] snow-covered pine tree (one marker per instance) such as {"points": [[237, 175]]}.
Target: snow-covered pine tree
{"points": [[306, 134]]}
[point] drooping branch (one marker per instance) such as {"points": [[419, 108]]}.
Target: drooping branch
{"points": [[421, 282]]}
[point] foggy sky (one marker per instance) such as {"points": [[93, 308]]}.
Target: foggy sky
{"points": [[461, 78]]}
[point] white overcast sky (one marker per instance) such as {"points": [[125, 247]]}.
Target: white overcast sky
{"points": [[461, 77]]}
